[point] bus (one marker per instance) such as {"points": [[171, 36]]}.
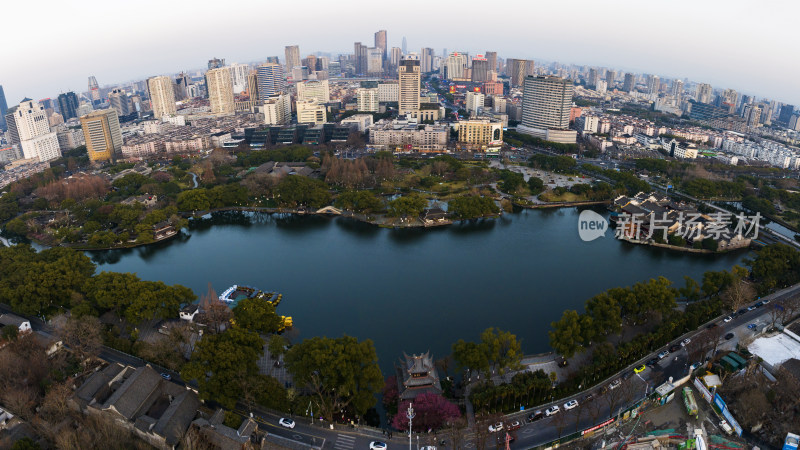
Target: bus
{"points": [[688, 400]]}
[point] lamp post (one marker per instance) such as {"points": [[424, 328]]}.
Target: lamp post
{"points": [[410, 414]]}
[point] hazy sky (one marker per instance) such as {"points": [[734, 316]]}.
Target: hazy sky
{"points": [[51, 46]]}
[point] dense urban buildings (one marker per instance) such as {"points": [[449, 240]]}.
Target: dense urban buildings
{"points": [[270, 80], [220, 90], [33, 131], [102, 133]]}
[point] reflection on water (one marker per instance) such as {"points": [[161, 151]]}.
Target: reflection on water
{"points": [[410, 290]]}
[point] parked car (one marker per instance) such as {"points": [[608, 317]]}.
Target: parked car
{"points": [[752, 326], [685, 342], [166, 376], [742, 311], [288, 423], [674, 348], [751, 307], [765, 301], [515, 425], [428, 447], [652, 362], [534, 416], [729, 336], [570, 405], [563, 363], [588, 397], [495, 427], [712, 325], [377, 445], [551, 410], [727, 319], [614, 384], [694, 367], [663, 354], [759, 304], [640, 369]]}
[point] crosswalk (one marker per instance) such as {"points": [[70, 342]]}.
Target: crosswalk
{"points": [[344, 442]]}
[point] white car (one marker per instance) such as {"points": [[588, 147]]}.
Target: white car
{"points": [[685, 342], [614, 384], [727, 319], [496, 427], [377, 445], [570, 404], [551, 410], [288, 423]]}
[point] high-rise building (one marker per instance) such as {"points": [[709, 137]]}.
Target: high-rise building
{"points": [[785, 115], [591, 81], [474, 102], [94, 90], [388, 92], [752, 115], [404, 46], [453, 66], [516, 68], [630, 82], [426, 60], [292, 57], [677, 89], [181, 87], [33, 131], [546, 105], [394, 59], [380, 42], [492, 58], [310, 111], [252, 86], [102, 134], [239, 74], [482, 133], [68, 105], [270, 80], [368, 99], [653, 84], [480, 69], [277, 110], [3, 109], [310, 61], [220, 91], [611, 78], [300, 73], [409, 77], [360, 55], [216, 63], [162, 96], [374, 61], [314, 89], [703, 93], [11, 125], [118, 99]]}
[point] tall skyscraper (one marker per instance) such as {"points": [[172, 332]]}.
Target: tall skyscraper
{"points": [[118, 99], [426, 60], [703, 93], [492, 58], [653, 84], [68, 105], [220, 91], [239, 74], [404, 46], [515, 69], [270, 80], [3, 109], [546, 104], [677, 89], [94, 90], [182, 86], [360, 55], [292, 57], [102, 133], [394, 59], [11, 125], [374, 61], [252, 86], [591, 81], [162, 96], [33, 131], [611, 78], [216, 63], [453, 66], [783, 117], [480, 69], [380, 42], [409, 77], [630, 82]]}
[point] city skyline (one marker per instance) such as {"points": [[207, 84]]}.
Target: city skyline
{"points": [[695, 49]]}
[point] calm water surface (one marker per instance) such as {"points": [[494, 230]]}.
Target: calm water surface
{"points": [[410, 290]]}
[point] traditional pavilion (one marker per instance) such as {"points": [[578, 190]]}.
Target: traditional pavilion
{"points": [[417, 375]]}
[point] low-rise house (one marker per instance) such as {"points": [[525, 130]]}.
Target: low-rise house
{"points": [[163, 230], [141, 400], [23, 325], [189, 312], [225, 437]]}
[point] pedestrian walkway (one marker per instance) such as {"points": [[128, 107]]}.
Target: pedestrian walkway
{"points": [[344, 442]]}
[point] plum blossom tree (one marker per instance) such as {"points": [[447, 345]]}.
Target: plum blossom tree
{"points": [[432, 412]]}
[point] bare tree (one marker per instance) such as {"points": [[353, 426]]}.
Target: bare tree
{"points": [[613, 397], [738, 294], [83, 336], [456, 432], [482, 423], [560, 422], [214, 311]]}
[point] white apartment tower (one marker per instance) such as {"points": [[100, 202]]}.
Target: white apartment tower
{"points": [[220, 91], [162, 96], [546, 104], [310, 111], [33, 128], [368, 99], [277, 110]]}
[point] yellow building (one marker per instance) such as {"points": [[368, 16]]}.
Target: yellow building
{"points": [[102, 133], [480, 135]]}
